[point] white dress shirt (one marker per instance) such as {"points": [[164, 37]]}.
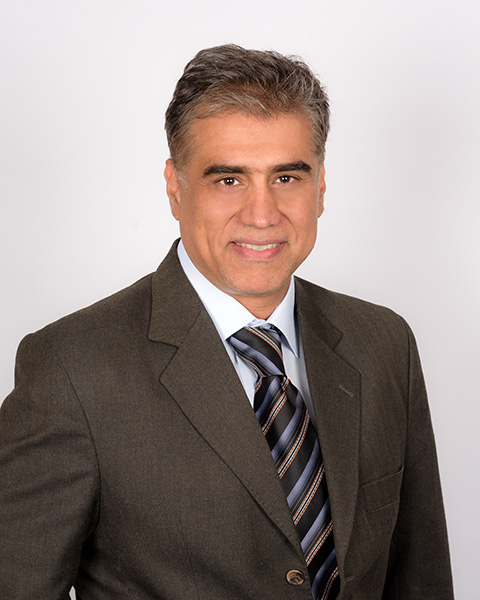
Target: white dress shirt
{"points": [[228, 316]]}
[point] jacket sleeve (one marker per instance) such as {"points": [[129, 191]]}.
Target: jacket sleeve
{"points": [[419, 562], [48, 478]]}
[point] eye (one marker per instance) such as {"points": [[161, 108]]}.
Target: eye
{"points": [[286, 178], [228, 181]]}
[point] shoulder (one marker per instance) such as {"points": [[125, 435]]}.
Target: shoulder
{"points": [[118, 329], [373, 339], [357, 321], [109, 322], [341, 307]]}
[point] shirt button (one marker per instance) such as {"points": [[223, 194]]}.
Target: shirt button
{"points": [[295, 577]]}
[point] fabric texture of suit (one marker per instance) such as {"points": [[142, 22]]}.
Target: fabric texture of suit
{"points": [[132, 465]]}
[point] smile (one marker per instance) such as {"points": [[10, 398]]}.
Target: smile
{"points": [[257, 248]]}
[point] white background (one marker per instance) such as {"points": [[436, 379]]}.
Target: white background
{"points": [[83, 89]]}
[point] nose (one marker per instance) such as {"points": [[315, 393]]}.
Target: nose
{"points": [[260, 208]]}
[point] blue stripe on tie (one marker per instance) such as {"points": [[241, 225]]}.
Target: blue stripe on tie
{"points": [[268, 365], [289, 433], [299, 489], [319, 524], [280, 449], [274, 389]]}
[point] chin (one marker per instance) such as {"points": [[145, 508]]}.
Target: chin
{"points": [[255, 282], [258, 291]]}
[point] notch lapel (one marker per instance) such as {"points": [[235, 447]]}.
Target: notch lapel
{"points": [[203, 382], [335, 392]]}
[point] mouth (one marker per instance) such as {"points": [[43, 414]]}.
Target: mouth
{"points": [[257, 247]]}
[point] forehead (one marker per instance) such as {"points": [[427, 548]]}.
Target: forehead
{"points": [[247, 139]]}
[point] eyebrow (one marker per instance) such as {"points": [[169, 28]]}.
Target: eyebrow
{"points": [[232, 169], [295, 166], [223, 170]]}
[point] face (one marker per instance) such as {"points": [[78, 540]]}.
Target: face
{"points": [[248, 203]]}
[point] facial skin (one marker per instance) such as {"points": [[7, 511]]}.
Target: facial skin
{"points": [[248, 203]]}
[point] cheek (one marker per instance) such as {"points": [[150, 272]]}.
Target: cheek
{"points": [[205, 224], [192, 217], [305, 220], [216, 218]]}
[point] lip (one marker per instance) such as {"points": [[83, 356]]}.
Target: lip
{"points": [[256, 250], [258, 247]]}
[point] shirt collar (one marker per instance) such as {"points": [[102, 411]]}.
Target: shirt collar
{"points": [[229, 315]]}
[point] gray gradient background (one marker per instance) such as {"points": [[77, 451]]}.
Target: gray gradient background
{"points": [[83, 89]]}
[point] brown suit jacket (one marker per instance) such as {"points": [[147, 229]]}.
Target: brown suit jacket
{"points": [[132, 465]]}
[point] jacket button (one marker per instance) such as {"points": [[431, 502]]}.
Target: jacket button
{"points": [[295, 577]]}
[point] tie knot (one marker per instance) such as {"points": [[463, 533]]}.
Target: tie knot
{"points": [[261, 348]]}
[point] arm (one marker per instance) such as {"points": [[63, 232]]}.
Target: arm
{"points": [[419, 563], [48, 479]]}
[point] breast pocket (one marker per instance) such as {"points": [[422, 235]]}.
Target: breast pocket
{"points": [[382, 493], [376, 516]]}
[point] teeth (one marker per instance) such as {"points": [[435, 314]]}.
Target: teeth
{"points": [[258, 248]]}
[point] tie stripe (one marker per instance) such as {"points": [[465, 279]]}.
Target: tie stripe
{"points": [[295, 449], [308, 496]]}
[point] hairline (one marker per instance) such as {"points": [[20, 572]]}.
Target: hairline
{"points": [[183, 158]]}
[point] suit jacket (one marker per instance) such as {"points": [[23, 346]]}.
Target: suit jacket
{"points": [[133, 467]]}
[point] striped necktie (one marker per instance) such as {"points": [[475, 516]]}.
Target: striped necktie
{"points": [[293, 441]]}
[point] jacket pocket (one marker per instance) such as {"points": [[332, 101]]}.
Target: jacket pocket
{"points": [[379, 494]]}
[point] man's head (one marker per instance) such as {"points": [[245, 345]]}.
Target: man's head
{"points": [[246, 177], [256, 83]]}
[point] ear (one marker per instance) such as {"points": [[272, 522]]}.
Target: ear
{"points": [[322, 189], [174, 188]]}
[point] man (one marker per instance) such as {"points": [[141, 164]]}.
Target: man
{"points": [[132, 463]]}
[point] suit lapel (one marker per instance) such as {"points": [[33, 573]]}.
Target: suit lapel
{"points": [[212, 398], [202, 380], [335, 392]]}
